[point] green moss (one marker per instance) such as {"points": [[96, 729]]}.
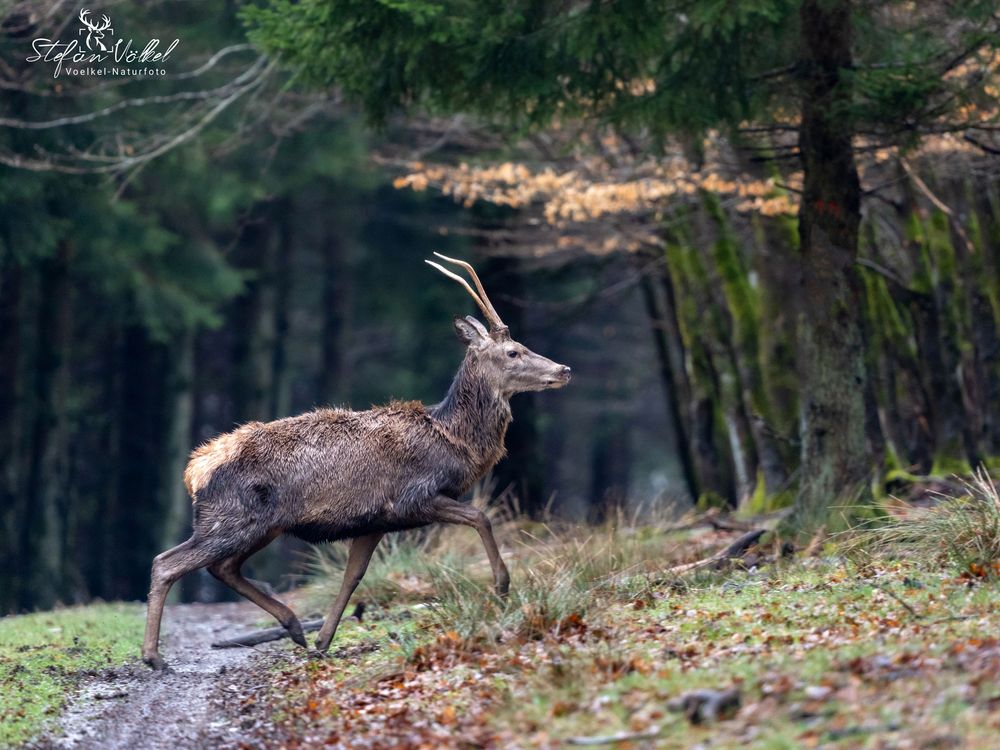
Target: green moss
{"points": [[762, 501], [948, 465], [901, 475], [710, 499], [42, 656]]}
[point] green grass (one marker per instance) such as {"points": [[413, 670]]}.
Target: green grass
{"points": [[43, 655]]}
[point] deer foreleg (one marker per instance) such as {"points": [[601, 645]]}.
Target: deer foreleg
{"points": [[358, 558], [447, 510]]}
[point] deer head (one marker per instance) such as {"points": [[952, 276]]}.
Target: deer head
{"points": [[95, 33], [511, 367]]}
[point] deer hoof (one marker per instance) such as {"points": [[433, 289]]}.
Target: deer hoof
{"points": [[502, 587], [296, 634], [155, 661]]}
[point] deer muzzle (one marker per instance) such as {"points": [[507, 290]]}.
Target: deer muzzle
{"points": [[561, 377]]}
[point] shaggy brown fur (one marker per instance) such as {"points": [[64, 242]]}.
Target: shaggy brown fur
{"points": [[336, 474]]}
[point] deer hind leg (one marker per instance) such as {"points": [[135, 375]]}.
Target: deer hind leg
{"points": [[446, 510], [362, 548], [168, 567], [228, 571]]}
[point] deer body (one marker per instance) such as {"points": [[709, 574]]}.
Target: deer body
{"points": [[326, 474], [335, 474]]}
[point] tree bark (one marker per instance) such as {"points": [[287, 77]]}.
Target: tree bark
{"points": [[179, 413], [523, 468], [337, 307], [41, 543], [10, 358], [282, 263], [663, 326], [143, 427], [251, 320], [831, 356]]}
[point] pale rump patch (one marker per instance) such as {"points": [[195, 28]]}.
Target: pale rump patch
{"points": [[205, 459]]}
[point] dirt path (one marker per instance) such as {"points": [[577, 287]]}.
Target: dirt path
{"points": [[134, 708]]}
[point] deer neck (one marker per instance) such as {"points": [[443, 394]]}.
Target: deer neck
{"points": [[476, 414]]}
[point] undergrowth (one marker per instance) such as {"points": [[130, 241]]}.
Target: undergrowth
{"points": [[558, 574], [598, 638], [960, 531]]}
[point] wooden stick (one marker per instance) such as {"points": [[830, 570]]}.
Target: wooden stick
{"points": [[651, 733], [736, 549], [264, 636], [276, 634]]}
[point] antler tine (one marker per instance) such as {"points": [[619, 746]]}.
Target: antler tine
{"points": [[461, 281], [485, 304]]}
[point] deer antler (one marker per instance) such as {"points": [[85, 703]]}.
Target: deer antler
{"points": [[496, 324], [105, 21]]}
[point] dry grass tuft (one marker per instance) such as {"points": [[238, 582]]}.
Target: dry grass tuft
{"points": [[561, 573], [961, 531]]}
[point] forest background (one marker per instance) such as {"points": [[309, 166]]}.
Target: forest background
{"points": [[234, 241]]}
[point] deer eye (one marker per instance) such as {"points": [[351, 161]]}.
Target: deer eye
{"points": [[513, 354]]}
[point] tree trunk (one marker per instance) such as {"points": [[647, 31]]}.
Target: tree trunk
{"points": [[109, 504], [180, 408], [251, 320], [663, 326], [610, 467], [40, 546], [10, 358], [337, 308], [143, 430], [282, 264], [523, 468], [831, 356]]}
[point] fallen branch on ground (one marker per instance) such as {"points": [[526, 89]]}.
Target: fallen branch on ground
{"points": [[720, 559], [257, 637], [650, 734], [263, 636], [713, 518], [704, 706]]}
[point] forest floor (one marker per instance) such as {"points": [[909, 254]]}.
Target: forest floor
{"points": [[814, 657], [811, 652]]}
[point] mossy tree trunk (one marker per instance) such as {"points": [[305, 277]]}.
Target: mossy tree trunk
{"points": [[670, 356], [712, 457], [831, 357]]}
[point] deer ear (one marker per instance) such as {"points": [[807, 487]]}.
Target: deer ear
{"points": [[470, 331]]}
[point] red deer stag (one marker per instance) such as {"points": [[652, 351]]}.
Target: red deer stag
{"points": [[336, 474]]}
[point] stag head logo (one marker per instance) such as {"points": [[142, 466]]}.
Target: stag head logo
{"points": [[95, 31]]}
